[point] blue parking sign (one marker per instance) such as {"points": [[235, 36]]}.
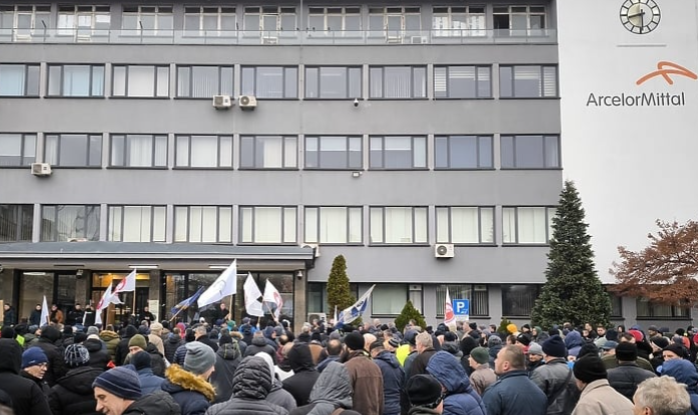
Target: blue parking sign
{"points": [[461, 308]]}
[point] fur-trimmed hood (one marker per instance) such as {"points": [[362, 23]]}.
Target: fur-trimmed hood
{"points": [[180, 379]]}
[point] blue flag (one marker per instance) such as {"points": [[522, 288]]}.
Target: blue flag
{"points": [[188, 302]]}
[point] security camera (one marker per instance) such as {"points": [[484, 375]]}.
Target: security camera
{"points": [[356, 102]]}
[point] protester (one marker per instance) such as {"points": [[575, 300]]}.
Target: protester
{"points": [[366, 376], [425, 395], [141, 361], [73, 393], [27, 398], [304, 374], [56, 365], [628, 375], [227, 360], [555, 378], [188, 384], [118, 392], [662, 396], [277, 394], [482, 375], [459, 396], [597, 397], [34, 365]]}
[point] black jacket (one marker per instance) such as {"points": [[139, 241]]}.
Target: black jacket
{"points": [[171, 345], [156, 403], [191, 393], [10, 317], [626, 377], [35, 318], [419, 366], [45, 389], [227, 360], [54, 354], [122, 348], [99, 358], [304, 373], [393, 381], [27, 398], [208, 342], [73, 394], [332, 391], [259, 344], [157, 362], [75, 317]]}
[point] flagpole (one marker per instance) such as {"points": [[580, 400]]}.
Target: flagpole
{"points": [[271, 312]]}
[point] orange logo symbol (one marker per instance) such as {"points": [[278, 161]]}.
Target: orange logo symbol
{"points": [[666, 68]]}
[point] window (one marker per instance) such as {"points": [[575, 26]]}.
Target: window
{"points": [[76, 80], [398, 225], [465, 225], [83, 21], [136, 81], [459, 21], [270, 19], [518, 300], [332, 82], [333, 152], [646, 308], [268, 152], [398, 152], [463, 152], [616, 305], [477, 295], [73, 150], [26, 20], [138, 150], [528, 81], [394, 23], [530, 151], [19, 80], [204, 151], [527, 225], [16, 223], [60, 223], [208, 224], [137, 223], [388, 299], [271, 82], [17, 149], [317, 297], [209, 21], [333, 225], [204, 81], [268, 225], [519, 20], [337, 20], [147, 20], [462, 82], [398, 82]]}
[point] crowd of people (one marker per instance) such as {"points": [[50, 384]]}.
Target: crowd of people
{"points": [[222, 368]]}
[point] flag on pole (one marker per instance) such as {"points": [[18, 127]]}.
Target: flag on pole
{"points": [[335, 314], [128, 284], [252, 304], [357, 309], [449, 317], [44, 312], [183, 305], [223, 286], [272, 295]]}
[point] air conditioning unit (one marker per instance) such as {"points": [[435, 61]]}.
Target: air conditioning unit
{"points": [[317, 316], [247, 102], [418, 39], [41, 169], [444, 251], [222, 102], [316, 248]]}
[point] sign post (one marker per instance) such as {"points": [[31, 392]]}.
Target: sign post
{"points": [[461, 309]]}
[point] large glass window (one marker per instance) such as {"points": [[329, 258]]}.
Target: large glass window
{"points": [[270, 19], [518, 300], [398, 225], [477, 295], [73, 150], [16, 223], [333, 225], [83, 20], [394, 23], [647, 309], [17, 149], [459, 21], [530, 151], [332, 82], [528, 81], [204, 81], [465, 225], [463, 152], [270, 82], [26, 19], [19, 80], [147, 20], [388, 299], [138, 150], [462, 82], [527, 225], [336, 21], [141, 81], [398, 152], [76, 80], [204, 151], [316, 296], [333, 152], [137, 223], [209, 224], [268, 152], [209, 21], [519, 20], [33, 287], [268, 225], [398, 82], [61, 223]]}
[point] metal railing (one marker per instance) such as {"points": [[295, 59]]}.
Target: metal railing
{"points": [[280, 37]]}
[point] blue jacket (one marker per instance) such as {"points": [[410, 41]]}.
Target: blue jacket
{"points": [[393, 381], [461, 398], [149, 382], [684, 372], [515, 394]]}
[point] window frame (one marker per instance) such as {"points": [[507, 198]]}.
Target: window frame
{"points": [[35, 11], [204, 11], [219, 154], [550, 212], [325, 13], [190, 81], [449, 157], [187, 211], [61, 69], [374, 312], [157, 11], [22, 214], [412, 96], [283, 138], [23, 148], [88, 139], [449, 13], [348, 151], [111, 222], [77, 11], [127, 68], [447, 78], [285, 77], [512, 82], [474, 305], [88, 209], [126, 154], [413, 232], [267, 11], [317, 239], [535, 289], [28, 69], [347, 80], [282, 213], [653, 310], [450, 239], [543, 149], [412, 152], [528, 13]]}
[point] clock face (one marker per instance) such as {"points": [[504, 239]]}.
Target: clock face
{"points": [[640, 16]]}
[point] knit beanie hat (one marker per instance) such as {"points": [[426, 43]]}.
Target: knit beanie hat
{"points": [[473, 326], [511, 328], [199, 358], [354, 341], [138, 340], [677, 349], [587, 348], [424, 390], [76, 355], [33, 356], [555, 347], [156, 328], [589, 368], [661, 342], [79, 337], [141, 360], [121, 381], [626, 352], [612, 335], [92, 330], [524, 339], [480, 355], [637, 334], [225, 339], [535, 349]]}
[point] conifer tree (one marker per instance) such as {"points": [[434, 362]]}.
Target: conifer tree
{"points": [[409, 313], [338, 290]]}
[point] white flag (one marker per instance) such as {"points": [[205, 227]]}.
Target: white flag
{"points": [[357, 309], [449, 317], [44, 313], [127, 284], [223, 286], [252, 304], [272, 295]]}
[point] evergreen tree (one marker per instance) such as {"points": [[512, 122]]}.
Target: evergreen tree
{"points": [[573, 292], [409, 313], [338, 291]]}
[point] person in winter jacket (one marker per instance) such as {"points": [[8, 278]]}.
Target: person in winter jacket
{"points": [[227, 360], [424, 395], [393, 377], [34, 365], [331, 392], [72, 394], [56, 365], [460, 397], [27, 397], [111, 339], [482, 375], [99, 358], [628, 375], [10, 317], [304, 373], [494, 345], [598, 397], [188, 384], [251, 385], [555, 379], [35, 316], [467, 344], [259, 344], [149, 382], [55, 315], [513, 393], [684, 372], [277, 395], [122, 348], [154, 337], [573, 342], [118, 392], [171, 344], [366, 376], [139, 344], [663, 395]]}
